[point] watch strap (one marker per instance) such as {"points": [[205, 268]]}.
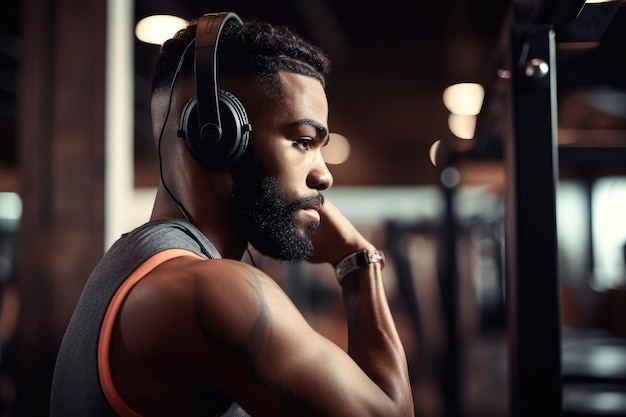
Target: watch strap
{"points": [[358, 260]]}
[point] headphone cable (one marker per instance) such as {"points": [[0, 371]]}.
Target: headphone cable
{"points": [[180, 205]]}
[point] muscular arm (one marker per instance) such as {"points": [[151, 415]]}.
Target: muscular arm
{"points": [[274, 363], [231, 325]]}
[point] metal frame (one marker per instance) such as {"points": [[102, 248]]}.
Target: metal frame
{"points": [[532, 272]]}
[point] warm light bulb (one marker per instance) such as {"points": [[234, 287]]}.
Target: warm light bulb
{"points": [[464, 98], [157, 29], [462, 126], [433, 152], [337, 151]]}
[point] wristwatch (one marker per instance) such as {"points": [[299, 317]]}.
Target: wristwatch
{"points": [[358, 260]]}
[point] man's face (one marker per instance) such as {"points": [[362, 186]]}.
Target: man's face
{"points": [[276, 188]]}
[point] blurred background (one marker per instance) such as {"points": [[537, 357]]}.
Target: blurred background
{"points": [[503, 222]]}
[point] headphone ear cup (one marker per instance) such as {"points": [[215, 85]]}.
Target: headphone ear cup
{"points": [[236, 127], [189, 129], [233, 142]]}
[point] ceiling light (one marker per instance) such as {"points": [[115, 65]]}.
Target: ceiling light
{"points": [[157, 29], [433, 152], [463, 126], [337, 151], [464, 98]]}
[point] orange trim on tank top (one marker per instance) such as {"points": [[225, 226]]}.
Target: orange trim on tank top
{"points": [[104, 342]]}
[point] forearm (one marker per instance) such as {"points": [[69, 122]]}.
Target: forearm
{"points": [[373, 340], [374, 344]]}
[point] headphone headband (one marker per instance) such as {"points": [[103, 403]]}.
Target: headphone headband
{"points": [[208, 33]]}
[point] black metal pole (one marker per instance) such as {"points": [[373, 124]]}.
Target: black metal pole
{"points": [[532, 276], [450, 362]]}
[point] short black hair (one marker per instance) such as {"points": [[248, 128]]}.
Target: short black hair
{"points": [[254, 49]]}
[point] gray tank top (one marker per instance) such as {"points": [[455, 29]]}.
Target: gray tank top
{"points": [[76, 389]]}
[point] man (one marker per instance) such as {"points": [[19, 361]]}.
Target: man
{"points": [[171, 322]]}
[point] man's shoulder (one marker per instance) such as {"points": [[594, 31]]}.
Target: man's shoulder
{"points": [[187, 299], [206, 279], [184, 292]]}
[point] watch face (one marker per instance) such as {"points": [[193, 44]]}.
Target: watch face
{"points": [[376, 256]]}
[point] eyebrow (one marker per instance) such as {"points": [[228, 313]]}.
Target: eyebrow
{"points": [[321, 130]]}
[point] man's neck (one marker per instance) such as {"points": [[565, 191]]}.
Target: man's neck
{"points": [[211, 218]]}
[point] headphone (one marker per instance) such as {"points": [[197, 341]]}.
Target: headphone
{"points": [[214, 123]]}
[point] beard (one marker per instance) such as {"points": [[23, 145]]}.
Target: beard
{"points": [[263, 215]]}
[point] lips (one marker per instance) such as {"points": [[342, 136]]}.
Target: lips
{"points": [[313, 213], [310, 206]]}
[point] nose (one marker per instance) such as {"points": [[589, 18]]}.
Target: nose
{"points": [[319, 177]]}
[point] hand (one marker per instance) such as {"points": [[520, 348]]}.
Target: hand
{"points": [[336, 237]]}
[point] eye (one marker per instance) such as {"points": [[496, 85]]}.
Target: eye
{"points": [[303, 143]]}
